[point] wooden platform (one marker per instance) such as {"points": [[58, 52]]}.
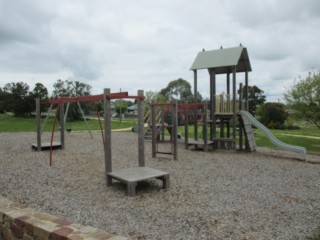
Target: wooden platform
{"points": [[46, 146], [198, 143], [131, 176]]}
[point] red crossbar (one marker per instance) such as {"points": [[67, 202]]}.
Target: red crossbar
{"points": [[92, 98], [179, 104]]}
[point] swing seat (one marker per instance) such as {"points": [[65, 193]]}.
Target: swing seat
{"points": [[69, 130]]}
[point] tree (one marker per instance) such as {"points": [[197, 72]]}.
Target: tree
{"points": [[256, 98], [18, 99], [304, 98], [69, 88], [3, 101], [272, 115], [179, 90], [19, 89], [121, 106], [40, 91]]}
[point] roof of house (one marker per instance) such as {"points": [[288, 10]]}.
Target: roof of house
{"points": [[222, 60]]}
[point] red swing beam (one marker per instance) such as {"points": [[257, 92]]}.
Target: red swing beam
{"points": [[92, 98]]}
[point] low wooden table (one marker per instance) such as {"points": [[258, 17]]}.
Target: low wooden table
{"points": [[131, 176]]}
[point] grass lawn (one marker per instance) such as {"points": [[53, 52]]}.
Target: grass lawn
{"points": [[301, 137], [307, 137], [9, 123]]}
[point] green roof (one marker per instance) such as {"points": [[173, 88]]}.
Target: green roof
{"points": [[223, 59]]}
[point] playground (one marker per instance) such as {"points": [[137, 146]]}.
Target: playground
{"points": [[216, 194], [215, 185]]}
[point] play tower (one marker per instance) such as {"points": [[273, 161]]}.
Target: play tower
{"points": [[223, 108]]}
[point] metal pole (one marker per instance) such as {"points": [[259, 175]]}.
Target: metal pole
{"points": [[38, 124], [141, 128], [48, 113], [107, 136], [66, 114], [85, 120], [62, 126]]}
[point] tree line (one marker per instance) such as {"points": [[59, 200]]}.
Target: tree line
{"points": [[302, 99]]}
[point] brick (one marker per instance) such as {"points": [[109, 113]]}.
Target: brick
{"points": [[61, 233], [100, 235], [16, 230], [27, 237], [118, 238], [87, 229], [62, 222], [28, 225], [77, 236], [15, 214], [44, 217], [43, 229], [7, 234], [18, 205], [1, 217], [21, 220]]}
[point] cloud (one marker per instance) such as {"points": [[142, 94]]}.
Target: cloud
{"points": [[23, 21], [146, 44]]}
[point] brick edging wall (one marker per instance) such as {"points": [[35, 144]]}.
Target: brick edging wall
{"points": [[19, 222]]}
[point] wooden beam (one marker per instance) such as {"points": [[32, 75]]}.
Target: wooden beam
{"points": [[141, 129], [38, 124], [107, 137]]}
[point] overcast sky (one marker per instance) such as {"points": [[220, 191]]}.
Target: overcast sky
{"points": [[145, 44]]}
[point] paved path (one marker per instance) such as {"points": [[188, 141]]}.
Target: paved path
{"points": [[296, 135]]}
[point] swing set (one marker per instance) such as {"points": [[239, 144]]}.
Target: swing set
{"points": [[60, 102], [129, 176]]}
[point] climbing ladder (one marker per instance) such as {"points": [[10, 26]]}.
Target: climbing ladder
{"points": [[159, 126], [248, 131]]}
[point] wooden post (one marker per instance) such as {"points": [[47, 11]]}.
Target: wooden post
{"points": [[195, 119], [107, 136], [162, 113], [240, 126], [205, 126], [186, 129], [175, 130], [62, 126], [154, 129], [213, 130], [228, 83], [234, 106], [141, 128], [228, 102], [38, 119], [195, 100], [246, 91], [195, 85]]}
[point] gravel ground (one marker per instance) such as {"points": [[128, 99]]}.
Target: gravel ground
{"points": [[215, 195]]}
